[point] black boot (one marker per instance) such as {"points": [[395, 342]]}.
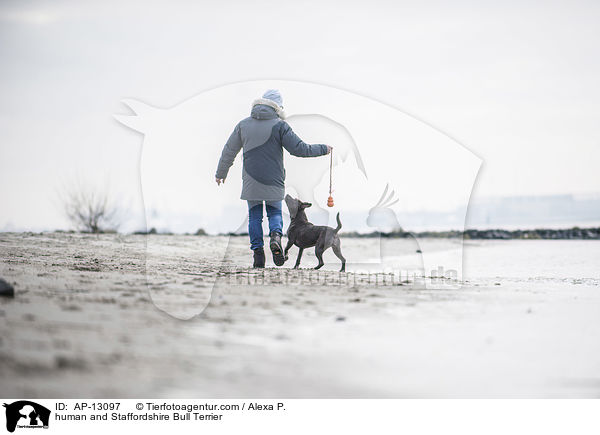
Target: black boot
{"points": [[276, 249], [259, 258]]}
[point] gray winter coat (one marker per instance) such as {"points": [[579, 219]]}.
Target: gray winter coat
{"points": [[263, 136]]}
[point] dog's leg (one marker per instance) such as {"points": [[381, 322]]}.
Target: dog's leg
{"points": [[300, 251], [290, 243], [337, 250], [319, 254]]}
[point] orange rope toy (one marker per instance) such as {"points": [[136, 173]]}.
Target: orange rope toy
{"points": [[330, 199]]}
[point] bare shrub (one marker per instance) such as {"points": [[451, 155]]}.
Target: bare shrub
{"points": [[91, 210]]}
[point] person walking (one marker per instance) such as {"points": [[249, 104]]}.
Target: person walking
{"points": [[263, 136]]}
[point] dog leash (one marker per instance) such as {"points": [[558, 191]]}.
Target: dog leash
{"points": [[330, 199]]}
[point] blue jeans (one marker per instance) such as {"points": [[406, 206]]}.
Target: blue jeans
{"points": [[255, 218]]}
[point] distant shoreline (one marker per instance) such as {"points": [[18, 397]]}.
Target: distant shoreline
{"points": [[574, 233]]}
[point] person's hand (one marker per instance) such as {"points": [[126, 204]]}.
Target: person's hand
{"points": [[220, 180], [329, 149]]}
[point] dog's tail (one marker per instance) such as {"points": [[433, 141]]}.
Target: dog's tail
{"points": [[339, 226]]}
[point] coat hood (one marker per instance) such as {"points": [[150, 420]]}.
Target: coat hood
{"points": [[264, 108]]}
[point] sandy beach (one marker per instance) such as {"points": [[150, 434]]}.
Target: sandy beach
{"points": [[90, 319]]}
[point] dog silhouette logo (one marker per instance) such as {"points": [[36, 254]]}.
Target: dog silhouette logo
{"points": [[428, 174], [26, 414]]}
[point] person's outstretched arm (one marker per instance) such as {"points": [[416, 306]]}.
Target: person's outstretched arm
{"points": [[230, 151], [297, 147]]}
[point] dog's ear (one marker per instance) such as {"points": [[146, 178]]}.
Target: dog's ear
{"points": [[306, 204]]}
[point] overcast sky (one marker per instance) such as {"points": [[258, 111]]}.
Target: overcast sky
{"points": [[515, 82]]}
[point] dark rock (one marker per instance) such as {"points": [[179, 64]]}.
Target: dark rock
{"points": [[6, 289], [67, 363], [144, 232]]}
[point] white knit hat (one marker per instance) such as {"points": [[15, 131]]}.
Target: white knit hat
{"points": [[275, 96]]}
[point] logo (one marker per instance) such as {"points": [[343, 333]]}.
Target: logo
{"points": [[26, 414], [393, 174]]}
